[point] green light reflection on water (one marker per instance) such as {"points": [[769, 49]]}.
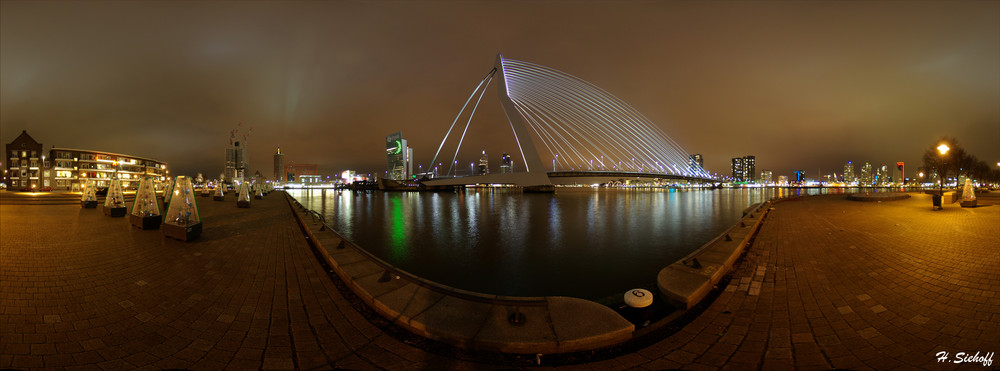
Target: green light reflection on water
{"points": [[398, 241]]}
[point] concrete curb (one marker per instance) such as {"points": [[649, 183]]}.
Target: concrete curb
{"points": [[467, 320], [687, 281]]}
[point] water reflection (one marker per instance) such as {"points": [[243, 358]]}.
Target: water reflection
{"points": [[584, 243]]}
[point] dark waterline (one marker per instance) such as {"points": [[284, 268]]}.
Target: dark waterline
{"points": [[586, 243]]}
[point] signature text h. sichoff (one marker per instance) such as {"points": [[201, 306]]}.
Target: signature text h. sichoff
{"points": [[986, 359]]}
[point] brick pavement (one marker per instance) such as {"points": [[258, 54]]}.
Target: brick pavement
{"points": [[831, 283], [828, 283], [82, 290]]}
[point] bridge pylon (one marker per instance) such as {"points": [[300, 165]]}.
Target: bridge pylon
{"points": [[532, 162]]}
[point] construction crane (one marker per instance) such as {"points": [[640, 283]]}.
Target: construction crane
{"points": [[232, 133]]}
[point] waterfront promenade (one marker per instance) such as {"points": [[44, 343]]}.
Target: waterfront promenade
{"points": [[78, 288], [828, 283]]}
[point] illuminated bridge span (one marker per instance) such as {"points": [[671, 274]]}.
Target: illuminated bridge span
{"points": [[584, 128]]}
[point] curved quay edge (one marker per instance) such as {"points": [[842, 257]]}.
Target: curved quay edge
{"points": [[686, 282], [550, 325]]}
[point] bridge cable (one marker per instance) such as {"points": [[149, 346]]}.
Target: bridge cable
{"points": [[473, 113], [488, 76]]}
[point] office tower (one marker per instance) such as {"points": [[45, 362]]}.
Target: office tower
{"points": [[849, 176], [506, 164], [744, 169], [279, 166]]}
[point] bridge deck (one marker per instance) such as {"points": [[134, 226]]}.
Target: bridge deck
{"points": [[532, 179]]}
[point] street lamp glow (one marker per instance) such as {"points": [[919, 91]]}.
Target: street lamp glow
{"points": [[943, 148]]}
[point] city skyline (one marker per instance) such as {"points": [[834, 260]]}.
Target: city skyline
{"points": [[800, 86]]}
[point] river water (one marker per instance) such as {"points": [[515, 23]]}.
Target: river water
{"points": [[580, 242]]}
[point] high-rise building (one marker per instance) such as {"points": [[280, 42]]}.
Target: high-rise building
{"points": [[398, 157], [867, 178], [237, 161], [882, 177], [737, 169], [697, 164], [484, 165], [744, 169], [800, 176], [279, 166], [506, 164], [766, 176], [849, 177]]}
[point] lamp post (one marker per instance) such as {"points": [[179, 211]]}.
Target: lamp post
{"points": [[943, 148]]}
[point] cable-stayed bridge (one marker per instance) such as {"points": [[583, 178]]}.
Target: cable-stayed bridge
{"points": [[588, 131]]}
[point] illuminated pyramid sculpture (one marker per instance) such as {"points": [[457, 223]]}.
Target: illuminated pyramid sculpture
{"points": [[968, 194], [205, 191], [243, 199], [182, 220], [167, 193], [89, 199], [258, 192], [114, 204], [220, 193], [146, 209]]}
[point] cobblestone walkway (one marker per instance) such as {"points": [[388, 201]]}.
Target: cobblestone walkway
{"points": [[831, 283], [78, 288]]}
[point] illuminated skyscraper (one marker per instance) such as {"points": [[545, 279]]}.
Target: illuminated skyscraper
{"points": [[849, 177], [506, 164], [398, 157], [867, 178], [744, 169], [882, 177], [484, 165], [766, 176], [279, 166], [697, 163]]}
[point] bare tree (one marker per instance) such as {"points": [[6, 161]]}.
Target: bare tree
{"points": [[957, 162]]}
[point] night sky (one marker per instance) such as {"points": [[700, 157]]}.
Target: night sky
{"points": [[800, 85]]}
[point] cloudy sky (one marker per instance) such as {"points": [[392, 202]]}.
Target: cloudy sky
{"points": [[800, 85]]}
